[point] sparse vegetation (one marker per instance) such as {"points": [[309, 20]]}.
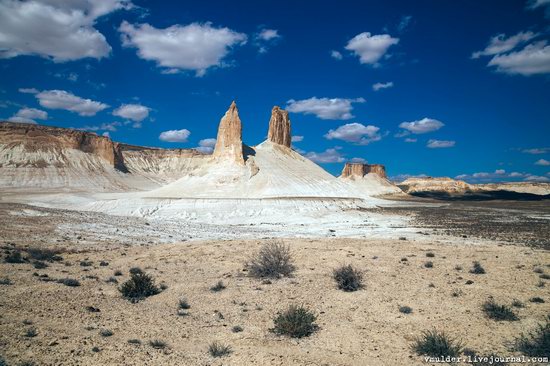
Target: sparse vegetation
{"points": [[458, 267], [39, 265], [5, 281], [216, 349], [183, 304], [430, 255], [217, 287], [134, 341], [435, 343], [498, 312], [273, 261], [139, 286], [405, 309], [538, 270], [71, 282], [106, 333], [111, 280], [14, 257], [86, 263], [477, 268], [103, 264], [469, 282], [348, 278], [537, 299], [429, 264], [517, 304], [237, 329], [118, 273], [45, 254], [537, 342], [31, 333], [545, 276], [295, 322], [158, 344]]}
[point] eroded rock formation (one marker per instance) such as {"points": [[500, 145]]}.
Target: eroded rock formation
{"points": [[229, 143], [279, 127], [352, 170]]}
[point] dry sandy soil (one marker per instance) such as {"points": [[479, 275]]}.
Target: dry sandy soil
{"points": [[357, 328]]}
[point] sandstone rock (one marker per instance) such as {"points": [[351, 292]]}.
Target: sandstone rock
{"points": [[358, 170], [279, 127], [229, 143]]}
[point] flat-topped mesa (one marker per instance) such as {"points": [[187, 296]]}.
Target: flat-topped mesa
{"points": [[229, 143], [359, 170], [279, 127]]}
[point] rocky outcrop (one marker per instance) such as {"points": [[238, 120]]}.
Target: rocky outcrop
{"points": [[279, 127], [229, 143], [358, 170], [434, 184], [36, 138]]}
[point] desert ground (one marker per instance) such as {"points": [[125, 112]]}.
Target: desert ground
{"points": [[44, 322]]}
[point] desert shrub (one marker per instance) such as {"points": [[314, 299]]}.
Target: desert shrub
{"points": [[273, 261], [39, 265], [106, 333], [139, 286], [183, 304], [498, 312], [435, 343], [545, 276], [458, 267], [86, 263], [158, 344], [538, 270], [537, 299], [14, 257], [134, 341], [71, 282], [430, 255], [216, 349], [31, 332], [103, 263], [96, 349], [477, 268], [237, 329], [135, 270], [405, 309], [118, 273], [45, 254], [163, 286], [5, 281], [348, 278], [517, 304], [111, 280], [535, 343], [93, 309], [295, 322], [469, 282], [217, 287], [540, 283], [429, 264]]}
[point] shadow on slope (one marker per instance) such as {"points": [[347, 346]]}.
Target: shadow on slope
{"points": [[482, 196]]}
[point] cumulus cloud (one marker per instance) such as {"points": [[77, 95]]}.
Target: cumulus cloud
{"points": [[31, 114], [355, 133], [537, 178], [537, 150], [266, 38], [327, 156], [297, 138], [336, 55], [134, 112], [358, 160], [542, 162], [59, 30], [424, 125], [175, 135], [370, 48], [61, 99], [206, 146], [378, 86], [112, 127], [408, 139], [28, 90], [268, 34], [501, 44], [21, 120], [324, 108], [439, 144], [196, 47], [531, 60]]}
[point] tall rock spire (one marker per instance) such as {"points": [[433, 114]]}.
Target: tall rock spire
{"points": [[279, 127], [229, 142]]}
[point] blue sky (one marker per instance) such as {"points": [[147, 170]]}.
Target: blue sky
{"points": [[442, 88]]}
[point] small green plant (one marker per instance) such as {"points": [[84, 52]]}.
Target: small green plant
{"points": [[158, 344], [348, 278], [405, 309], [537, 342], [218, 287], [14, 257], [429, 264], [118, 273], [430, 255], [272, 261], [71, 282], [183, 304], [517, 304], [435, 343], [216, 349], [545, 276], [106, 333], [537, 300], [498, 312], [5, 281], [237, 329], [295, 322], [139, 286], [477, 268], [31, 333]]}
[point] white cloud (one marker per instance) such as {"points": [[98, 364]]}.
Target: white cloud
{"points": [[438, 144], [500, 171], [195, 47], [537, 150], [355, 133], [327, 156], [531, 60], [408, 139], [61, 99], [358, 160], [60, 30], [268, 34], [297, 138], [378, 86], [266, 38], [542, 162], [31, 113], [175, 135], [370, 48], [401, 177], [537, 178], [206, 146], [404, 23], [324, 108], [500, 44], [535, 4], [112, 127], [21, 120], [336, 55], [424, 125], [135, 112], [28, 90], [106, 134]]}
